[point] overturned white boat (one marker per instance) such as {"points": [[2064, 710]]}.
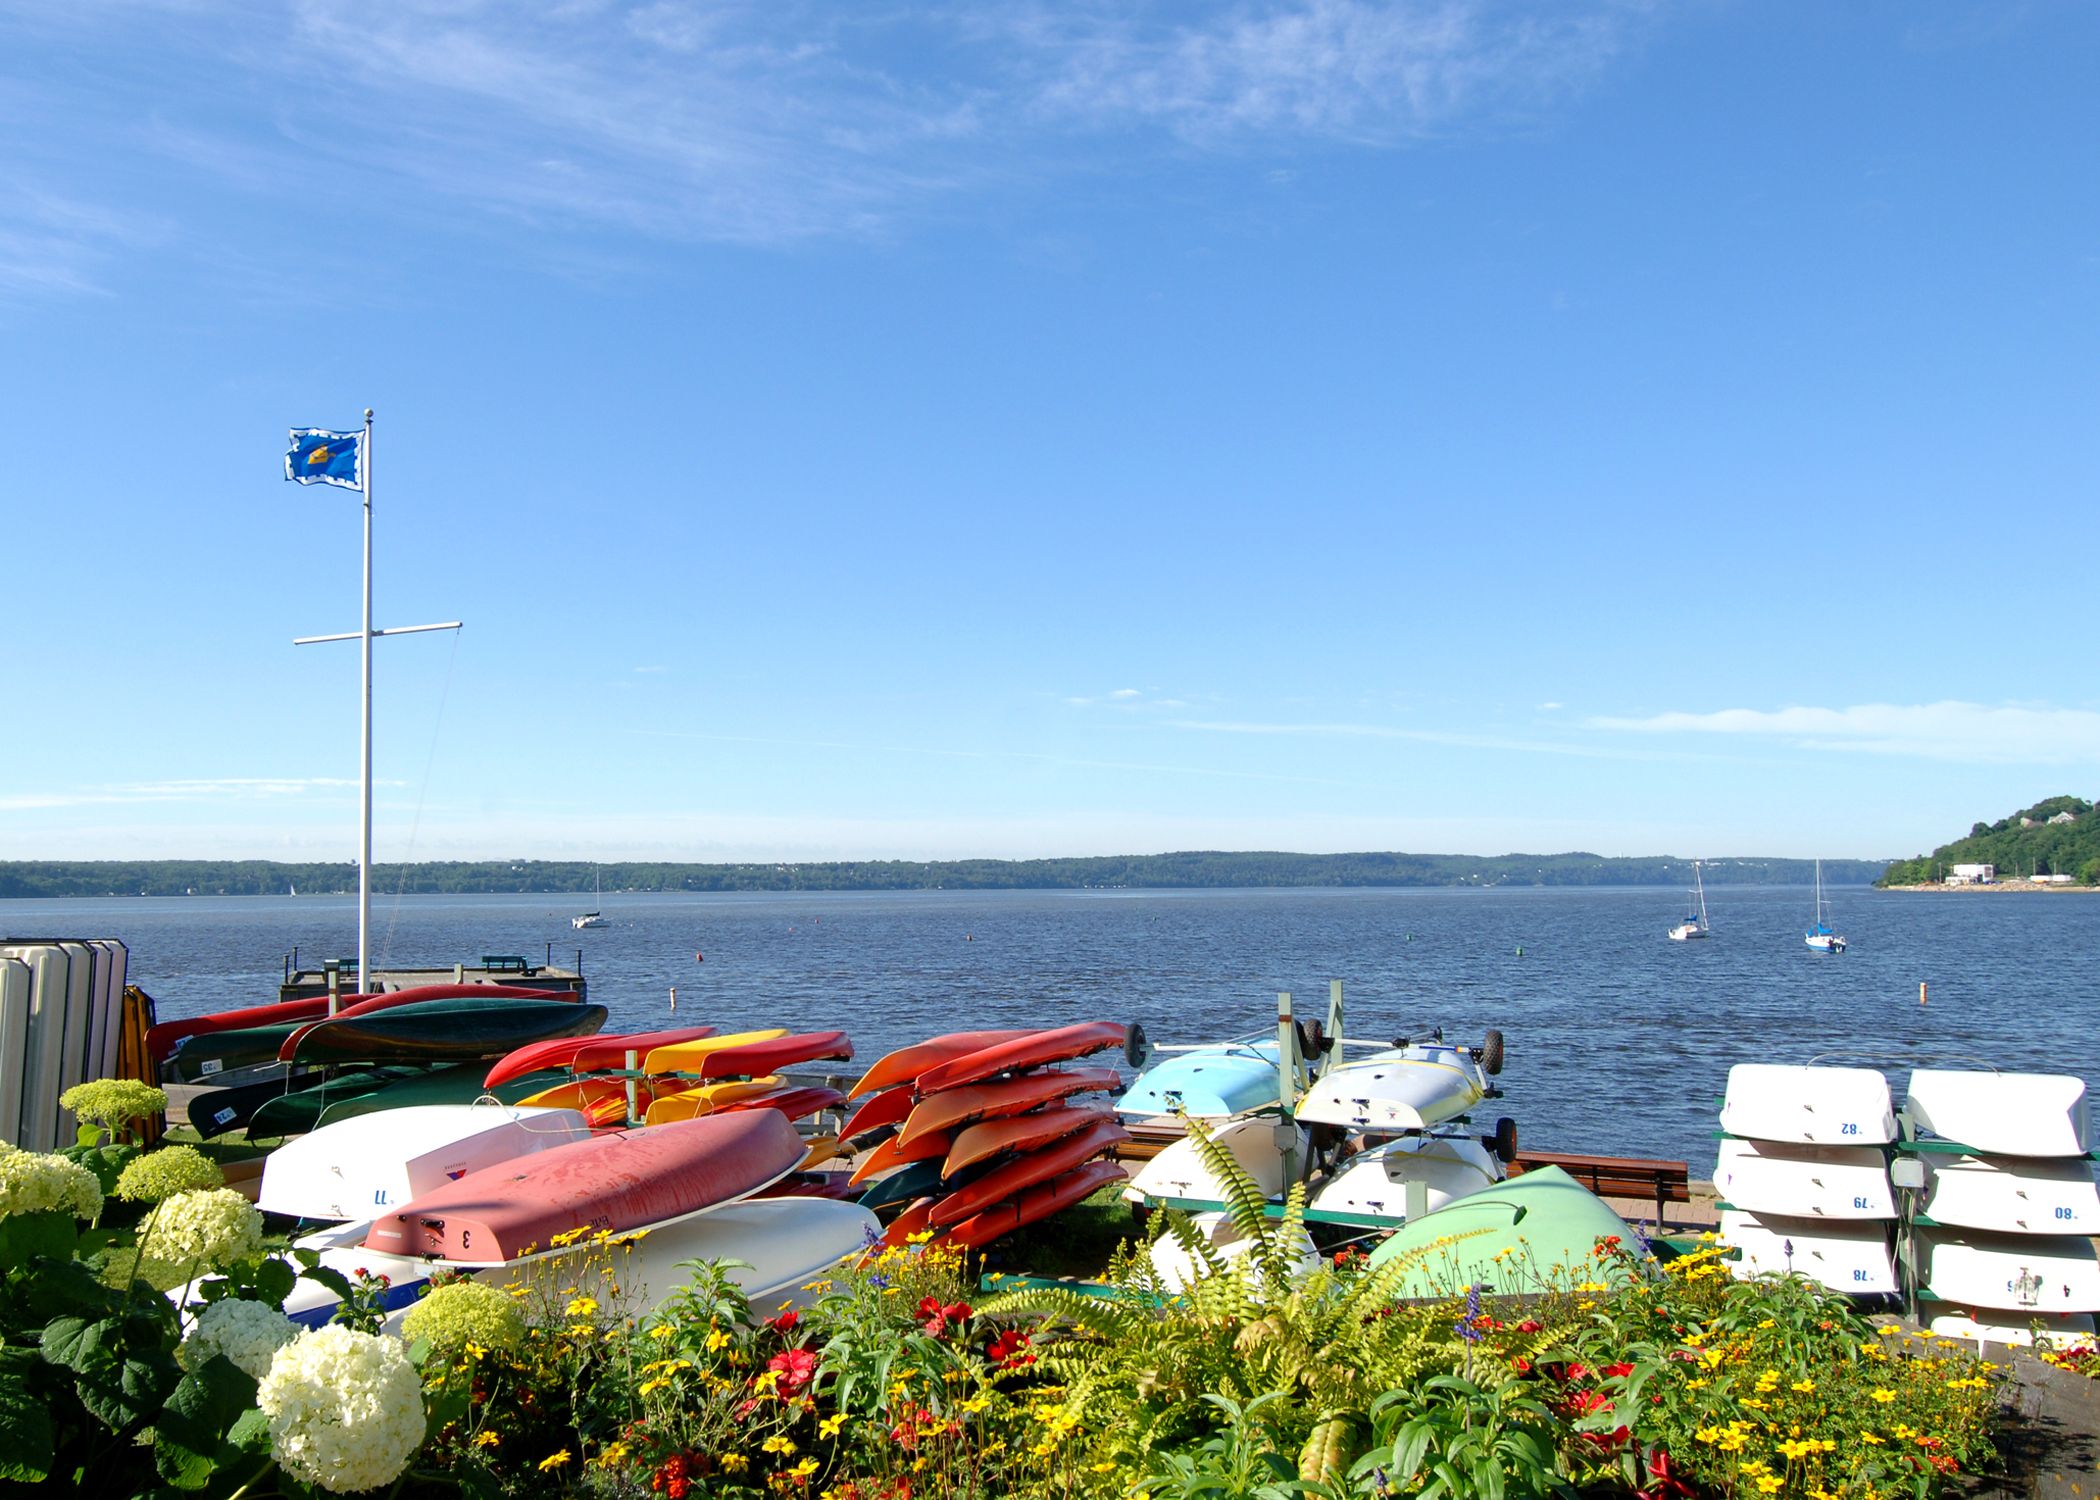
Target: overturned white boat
{"points": [[1413, 1086], [1846, 1257], [1809, 1104], [1179, 1171], [1177, 1269], [1809, 1182], [1409, 1177], [2012, 1195], [363, 1166], [2005, 1114], [2024, 1273], [772, 1247], [1997, 1326]]}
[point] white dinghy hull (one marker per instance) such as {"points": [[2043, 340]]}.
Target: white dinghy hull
{"points": [[1851, 1258], [361, 1167], [1375, 1183], [1998, 1327], [2005, 1114], [1810, 1106], [1408, 1088], [1805, 1182], [1178, 1270], [2020, 1273], [2012, 1195], [1179, 1170]]}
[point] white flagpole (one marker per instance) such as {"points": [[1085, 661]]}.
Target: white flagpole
{"points": [[364, 858]]}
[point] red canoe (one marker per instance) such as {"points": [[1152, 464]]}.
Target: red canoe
{"points": [[1010, 1178], [614, 1182], [1024, 1132], [756, 1059], [794, 1103], [907, 1063], [585, 1054], [1031, 1051], [1008, 1096], [1038, 1202], [831, 1185], [887, 1108], [161, 1039], [895, 1152]]}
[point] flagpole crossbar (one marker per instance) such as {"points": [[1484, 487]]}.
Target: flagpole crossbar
{"points": [[351, 635]]}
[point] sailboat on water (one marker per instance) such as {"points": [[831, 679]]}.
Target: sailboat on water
{"points": [[1694, 924], [1820, 937], [591, 918]]}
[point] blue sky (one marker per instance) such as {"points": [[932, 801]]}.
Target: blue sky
{"points": [[920, 430]]}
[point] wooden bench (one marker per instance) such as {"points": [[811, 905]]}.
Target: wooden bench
{"points": [[1618, 1176]]}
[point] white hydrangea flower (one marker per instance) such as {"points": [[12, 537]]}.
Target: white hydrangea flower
{"points": [[32, 1183], [213, 1227], [247, 1333], [345, 1408]]}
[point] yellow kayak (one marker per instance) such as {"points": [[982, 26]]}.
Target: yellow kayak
{"points": [[684, 1057], [692, 1103], [822, 1148]]}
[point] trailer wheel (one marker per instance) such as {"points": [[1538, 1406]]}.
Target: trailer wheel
{"points": [[1505, 1141], [1491, 1054], [1137, 1047]]}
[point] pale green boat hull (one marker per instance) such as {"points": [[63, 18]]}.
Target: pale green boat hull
{"points": [[1531, 1233]]}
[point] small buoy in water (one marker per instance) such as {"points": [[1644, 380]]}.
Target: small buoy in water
{"points": [[674, 999], [1520, 950], [699, 958], [968, 938]]}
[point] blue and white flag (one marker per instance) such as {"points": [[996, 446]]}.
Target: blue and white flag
{"points": [[321, 457]]}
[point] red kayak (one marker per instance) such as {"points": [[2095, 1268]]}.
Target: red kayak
{"points": [[1031, 1051], [626, 1180], [1007, 1096], [912, 1221], [1031, 1204], [907, 1063], [586, 1054], [1025, 1132], [887, 1108], [161, 1039], [794, 1103], [756, 1059], [1010, 1178], [896, 1151]]}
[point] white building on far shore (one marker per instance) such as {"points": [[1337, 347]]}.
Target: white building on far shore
{"points": [[1972, 875]]}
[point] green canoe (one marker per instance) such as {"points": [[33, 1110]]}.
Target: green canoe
{"points": [[445, 1031], [210, 1053], [1535, 1231], [365, 1090]]}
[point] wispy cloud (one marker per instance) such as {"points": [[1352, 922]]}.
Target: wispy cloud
{"points": [[1465, 739], [201, 789], [2004, 734], [774, 121]]}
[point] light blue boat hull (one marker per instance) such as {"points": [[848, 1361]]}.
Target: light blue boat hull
{"points": [[1213, 1083]]}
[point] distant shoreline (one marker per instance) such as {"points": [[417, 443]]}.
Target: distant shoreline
{"points": [[1996, 885]]}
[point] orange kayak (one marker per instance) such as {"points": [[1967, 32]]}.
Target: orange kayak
{"points": [[794, 1103], [907, 1063], [1008, 1096], [704, 1100], [887, 1108], [896, 1151], [1031, 1204], [1030, 1051], [1024, 1132], [1023, 1172], [602, 1100], [821, 1148]]}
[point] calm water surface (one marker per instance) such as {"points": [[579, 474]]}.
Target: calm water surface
{"points": [[1619, 1040]]}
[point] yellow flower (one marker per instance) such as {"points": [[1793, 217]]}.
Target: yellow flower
{"points": [[1870, 1439], [716, 1339], [975, 1403], [1767, 1483], [663, 1331], [486, 1438], [1882, 1394], [804, 1469], [829, 1427], [611, 1455], [554, 1460], [779, 1444], [734, 1463], [565, 1238], [582, 1307], [1804, 1385]]}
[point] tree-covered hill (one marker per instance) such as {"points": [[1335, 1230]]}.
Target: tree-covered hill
{"points": [[1195, 869], [2023, 844]]}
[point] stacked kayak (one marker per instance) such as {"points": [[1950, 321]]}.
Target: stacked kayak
{"points": [[973, 1135], [689, 1185]]}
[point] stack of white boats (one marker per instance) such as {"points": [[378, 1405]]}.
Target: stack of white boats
{"points": [[404, 1191], [1977, 1197], [1381, 1138]]}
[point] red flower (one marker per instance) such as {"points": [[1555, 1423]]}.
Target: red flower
{"points": [[1582, 1403], [1530, 1325], [938, 1317], [1521, 1365], [796, 1368], [1663, 1482], [1616, 1372], [1007, 1351], [785, 1323]]}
